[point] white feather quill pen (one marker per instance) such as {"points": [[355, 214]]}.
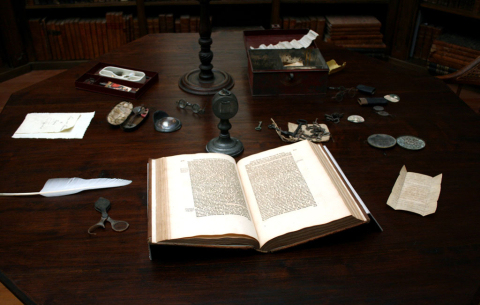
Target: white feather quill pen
{"points": [[66, 186]]}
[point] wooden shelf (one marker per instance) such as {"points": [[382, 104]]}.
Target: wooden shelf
{"points": [[450, 10], [336, 1], [81, 5], [195, 2]]}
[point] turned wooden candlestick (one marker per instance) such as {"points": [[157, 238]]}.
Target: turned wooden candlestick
{"points": [[205, 80]]}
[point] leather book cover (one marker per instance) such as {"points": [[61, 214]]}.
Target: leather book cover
{"points": [[83, 38], [70, 38], [64, 40], [420, 40], [57, 40], [170, 23], [88, 32], [286, 23], [156, 25], [313, 23], [185, 24], [110, 30], [51, 38], [162, 21], [45, 41], [100, 38], [119, 28], [455, 52], [150, 25], [78, 38], [177, 25], [193, 24], [352, 21], [136, 29], [34, 25]]}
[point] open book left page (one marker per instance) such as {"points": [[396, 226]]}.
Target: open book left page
{"points": [[199, 199]]}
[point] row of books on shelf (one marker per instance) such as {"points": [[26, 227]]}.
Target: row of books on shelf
{"points": [[451, 52], [87, 38], [166, 23], [53, 2], [315, 23], [81, 38], [426, 34], [353, 32], [468, 5]]}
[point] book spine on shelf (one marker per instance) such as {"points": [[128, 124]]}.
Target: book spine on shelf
{"points": [[420, 40], [162, 19], [93, 34], [184, 24], [34, 25], [100, 37], [439, 69], [170, 23]]}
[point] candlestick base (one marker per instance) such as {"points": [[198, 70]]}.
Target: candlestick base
{"points": [[191, 83]]}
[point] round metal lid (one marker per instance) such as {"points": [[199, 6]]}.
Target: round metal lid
{"points": [[411, 142], [356, 119], [168, 124], [381, 141]]}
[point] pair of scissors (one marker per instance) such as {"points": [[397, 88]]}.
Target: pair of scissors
{"points": [[103, 205]]}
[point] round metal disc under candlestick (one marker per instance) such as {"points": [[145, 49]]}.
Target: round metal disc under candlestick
{"points": [[205, 80], [225, 107]]}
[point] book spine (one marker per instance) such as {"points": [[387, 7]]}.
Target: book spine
{"points": [[34, 25], [427, 42], [156, 25], [445, 61], [459, 53], [162, 19], [185, 24], [136, 29], [45, 39], [100, 38], [93, 34], [170, 23], [439, 69], [150, 25], [70, 38], [457, 47], [193, 24], [420, 39], [444, 52], [286, 23], [177, 25], [78, 38]]}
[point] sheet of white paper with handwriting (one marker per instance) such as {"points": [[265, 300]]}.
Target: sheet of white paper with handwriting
{"points": [[54, 125], [415, 193]]}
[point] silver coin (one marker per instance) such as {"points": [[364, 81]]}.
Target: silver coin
{"points": [[392, 98], [411, 142], [356, 119], [378, 108], [381, 141], [383, 113]]}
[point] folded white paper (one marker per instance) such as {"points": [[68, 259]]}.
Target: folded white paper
{"points": [[294, 44], [54, 125]]}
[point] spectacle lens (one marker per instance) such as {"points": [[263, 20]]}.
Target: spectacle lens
{"points": [[196, 108], [182, 103]]}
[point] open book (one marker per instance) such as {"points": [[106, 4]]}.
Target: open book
{"points": [[268, 201]]}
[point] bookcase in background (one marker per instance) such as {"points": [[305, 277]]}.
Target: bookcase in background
{"points": [[425, 22], [396, 16]]}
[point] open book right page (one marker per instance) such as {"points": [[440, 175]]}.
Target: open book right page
{"points": [[288, 189]]}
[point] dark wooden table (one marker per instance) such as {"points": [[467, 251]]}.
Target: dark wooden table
{"points": [[47, 257]]}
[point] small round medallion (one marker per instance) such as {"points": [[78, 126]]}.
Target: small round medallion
{"points": [[392, 98], [378, 108], [381, 141], [411, 142], [383, 113], [356, 119]]}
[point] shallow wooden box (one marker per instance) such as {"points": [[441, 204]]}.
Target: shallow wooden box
{"points": [[267, 74], [94, 85]]}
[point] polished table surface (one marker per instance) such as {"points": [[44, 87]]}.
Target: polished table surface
{"points": [[47, 257]]}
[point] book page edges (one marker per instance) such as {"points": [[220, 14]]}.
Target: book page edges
{"points": [[357, 210]]}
